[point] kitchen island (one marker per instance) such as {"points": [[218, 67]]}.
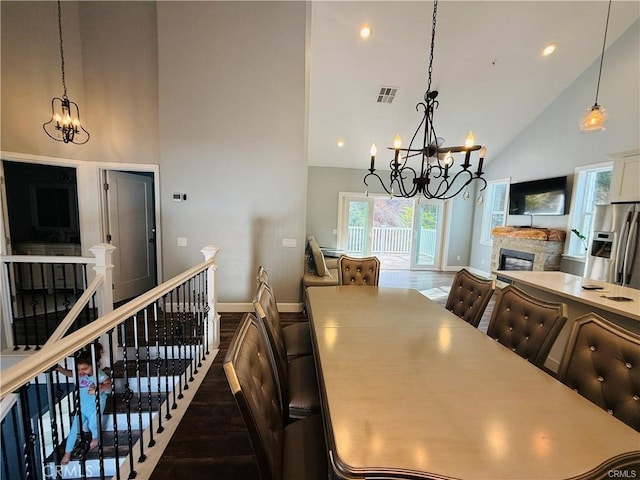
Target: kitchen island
{"points": [[605, 300]]}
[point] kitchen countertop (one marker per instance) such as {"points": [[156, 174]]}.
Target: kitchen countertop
{"points": [[570, 286]]}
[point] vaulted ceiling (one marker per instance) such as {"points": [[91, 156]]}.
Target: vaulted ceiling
{"points": [[488, 68]]}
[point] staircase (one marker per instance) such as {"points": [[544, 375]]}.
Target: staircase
{"points": [[133, 415], [152, 348]]}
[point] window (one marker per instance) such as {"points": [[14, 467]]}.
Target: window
{"points": [[495, 208], [591, 187]]}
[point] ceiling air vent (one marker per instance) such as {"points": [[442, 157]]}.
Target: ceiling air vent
{"points": [[387, 94]]}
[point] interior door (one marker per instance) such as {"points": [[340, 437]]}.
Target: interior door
{"points": [[426, 251], [130, 227]]}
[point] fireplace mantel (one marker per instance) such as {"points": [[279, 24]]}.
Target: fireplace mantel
{"points": [[544, 234]]}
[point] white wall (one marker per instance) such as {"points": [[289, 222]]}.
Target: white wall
{"points": [[552, 144], [110, 69], [213, 92], [232, 138]]}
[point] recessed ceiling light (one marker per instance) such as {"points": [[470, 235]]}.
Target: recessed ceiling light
{"points": [[549, 49], [365, 31], [340, 143]]}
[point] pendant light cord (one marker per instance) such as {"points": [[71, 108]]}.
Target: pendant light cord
{"points": [[604, 42], [433, 42], [64, 84]]}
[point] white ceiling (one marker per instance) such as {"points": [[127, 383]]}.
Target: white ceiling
{"points": [[487, 67]]}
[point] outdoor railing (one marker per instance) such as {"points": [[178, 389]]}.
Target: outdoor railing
{"points": [[391, 240], [150, 351]]}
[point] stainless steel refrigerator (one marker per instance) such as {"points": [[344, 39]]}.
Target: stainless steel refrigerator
{"points": [[613, 255]]}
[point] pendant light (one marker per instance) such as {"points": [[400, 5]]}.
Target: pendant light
{"points": [[595, 118], [64, 125]]}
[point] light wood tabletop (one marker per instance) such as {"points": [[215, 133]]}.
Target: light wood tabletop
{"points": [[409, 390]]}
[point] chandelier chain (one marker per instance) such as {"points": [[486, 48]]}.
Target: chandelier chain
{"points": [[433, 43], [64, 83], [604, 42]]}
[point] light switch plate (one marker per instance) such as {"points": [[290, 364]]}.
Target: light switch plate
{"points": [[182, 241], [289, 242]]}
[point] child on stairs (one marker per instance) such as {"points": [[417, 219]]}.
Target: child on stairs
{"points": [[89, 384]]}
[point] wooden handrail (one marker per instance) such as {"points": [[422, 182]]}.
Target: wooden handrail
{"points": [[22, 372], [46, 259], [76, 310]]}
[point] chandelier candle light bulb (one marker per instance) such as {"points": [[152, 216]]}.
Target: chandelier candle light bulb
{"points": [[482, 154], [374, 150], [470, 141]]}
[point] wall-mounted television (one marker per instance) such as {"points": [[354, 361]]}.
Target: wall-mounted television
{"points": [[539, 197]]}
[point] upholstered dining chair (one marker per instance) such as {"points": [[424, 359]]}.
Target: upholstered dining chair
{"points": [[469, 296], [297, 377], [525, 324], [292, 452], [263, 277], [297, 336], [358, 271], [601, 362]]}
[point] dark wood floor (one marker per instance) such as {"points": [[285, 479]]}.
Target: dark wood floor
{"points": [[212, 442]]}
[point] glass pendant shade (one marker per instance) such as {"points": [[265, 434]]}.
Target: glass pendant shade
{"points": [[594, 119]]}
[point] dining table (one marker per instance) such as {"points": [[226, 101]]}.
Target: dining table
{"points": [[409, 390]]}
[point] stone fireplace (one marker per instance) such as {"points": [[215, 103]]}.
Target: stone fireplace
{"points": [[522, 248]]}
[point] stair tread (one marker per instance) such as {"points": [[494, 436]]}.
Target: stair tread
{"points": [[135, 399], [166, 367], [108, 446]]}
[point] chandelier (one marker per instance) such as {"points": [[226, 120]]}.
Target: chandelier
{"points": [[437, 176], [64, 125], [595, 118]]}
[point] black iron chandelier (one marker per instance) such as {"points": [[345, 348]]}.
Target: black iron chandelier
{"points": [[64, 125], [436, 177]]}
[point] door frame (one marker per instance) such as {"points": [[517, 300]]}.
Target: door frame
{"points": [[90, 198]]}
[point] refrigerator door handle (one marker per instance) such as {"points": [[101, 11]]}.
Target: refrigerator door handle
{"points": [[621, 248], [629, 254]]}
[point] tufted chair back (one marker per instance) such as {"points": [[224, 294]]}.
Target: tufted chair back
{"points": [[525, 324], [358, 271], [266, 309], [601, 361], [249, 372], [262, 276], [469, 296]]}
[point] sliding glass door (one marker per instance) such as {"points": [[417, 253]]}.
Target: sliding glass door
{"points": [[356, 218], [393, 229], [427, 233]]}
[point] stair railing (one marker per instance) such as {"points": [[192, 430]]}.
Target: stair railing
{"points": [[48, 295], [150, 350]]}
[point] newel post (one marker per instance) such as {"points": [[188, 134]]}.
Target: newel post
{"points": [[103, 253], [210, 252]]}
